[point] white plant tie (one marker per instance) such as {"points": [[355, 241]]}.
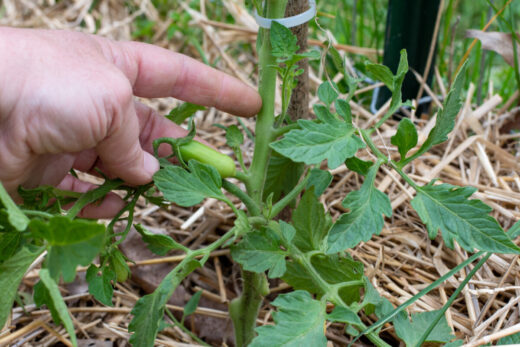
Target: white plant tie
{"points": [[288, 22]]}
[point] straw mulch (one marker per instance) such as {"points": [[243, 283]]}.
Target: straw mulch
{"points": [[400, 262]]}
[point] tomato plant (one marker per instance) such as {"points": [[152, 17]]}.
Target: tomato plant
{"points": [[308, 251]]}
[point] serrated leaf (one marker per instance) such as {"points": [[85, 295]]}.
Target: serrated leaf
{"points": [[157, 243], [189, 188], [70, 243], [344, 315], [446, 117], [11, 273], [411, 332], [100, 285], [323, 114], [191, 305], [283, 175], [311, 223], [343, 109], [299, 322], [234, 137], [15, 216], [314, 143], [148, 312], [260, 251], [447, 208], [333, 269], [359, 166], [327, 94], [320, 180], [179, 114], [405, 138], [283, 42], [54, 299], [367, 207]]}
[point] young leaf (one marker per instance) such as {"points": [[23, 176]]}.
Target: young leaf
{"points": [[360, 166], [260, 251], [344, 315], [448, 208], [381, 73], [148, 312], [100, 286], [365, 218], [299, 322], [311, 223], [11, 273], [15, 216], [179, 114], [70, 243], [406, 137], [314, 143], [234, 137], [327, 94], [189, 188], [192, 304], [282, 175], [343, 109], [157, 243], [411, 332], [55, 300], [320, 180], [283, 42]]}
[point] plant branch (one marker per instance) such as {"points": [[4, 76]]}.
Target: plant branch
{"points": [[251, 205], [286, 200]]}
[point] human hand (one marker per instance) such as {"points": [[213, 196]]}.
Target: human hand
{"points": [[67, 101]]}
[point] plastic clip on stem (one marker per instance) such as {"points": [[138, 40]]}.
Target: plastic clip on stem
{"points": [[288, 22]]}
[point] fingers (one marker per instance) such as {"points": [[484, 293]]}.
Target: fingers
{"points": [[157, 72], [120, 151], [107, 208]]}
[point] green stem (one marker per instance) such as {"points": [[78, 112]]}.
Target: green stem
{"points": [[92, 196], [281, 131], [286, 200], [251, 205]]}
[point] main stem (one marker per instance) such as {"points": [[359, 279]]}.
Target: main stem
{"points": [[244, 310]]}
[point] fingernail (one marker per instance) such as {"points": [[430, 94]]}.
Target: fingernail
{"points": [[151, 165]]}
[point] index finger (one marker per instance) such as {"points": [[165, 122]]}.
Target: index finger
{"points": [[158, 72]]}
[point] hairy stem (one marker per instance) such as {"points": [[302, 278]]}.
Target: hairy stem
{"points": [[251, 205]]}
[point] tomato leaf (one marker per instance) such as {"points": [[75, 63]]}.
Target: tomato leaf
{"points": [[411, 332], [448, 208], [327, 94], [100, 286], [406, 137], [158, 243], [367, 207], [344, 315], [320, 180], [299, 322], [189, 188], [14, 216], [11, 273], [70, 243], [311, 223], [179, 114], [234, 137], [192, 304], [284, 44], [315, 142], [282, 175]]}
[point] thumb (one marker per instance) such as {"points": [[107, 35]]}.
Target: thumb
{"points": [[121, 152]]}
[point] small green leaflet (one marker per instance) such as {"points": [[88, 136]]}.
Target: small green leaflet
{"points": [[344, 315], [446, 117], [359, 166], [11, 273], [447, 208], [234, 137], [343, 109], [365, 218], [315, 142], [327, 94], [299, 322], [260, 251], [189, 188], [100, 286], [411, 332], [50, 295], [149, 310], [320, 180], [406, 137], [282, 175], [157, 243], [10, 243], [311, 223], [70, 243], [191, 305], [381, 73], [334, 269], [284, 44], [14, 215], [179, 114]]}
